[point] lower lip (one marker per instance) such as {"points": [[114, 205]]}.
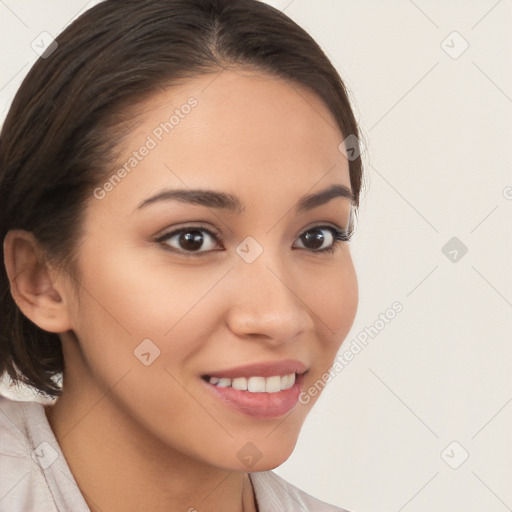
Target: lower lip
{"points": [[260, 405]]}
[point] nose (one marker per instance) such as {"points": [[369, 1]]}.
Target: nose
{"points": [[266, 302]]}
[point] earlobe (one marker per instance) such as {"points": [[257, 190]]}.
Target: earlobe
{"points": [[32, 284]]}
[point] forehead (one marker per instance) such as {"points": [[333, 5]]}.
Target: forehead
{"points": [[233, 131]]}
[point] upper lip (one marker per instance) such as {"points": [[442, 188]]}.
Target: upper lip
{"points": [[263, 369]]}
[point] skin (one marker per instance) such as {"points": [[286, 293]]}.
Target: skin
{"points": [[152, 437]]}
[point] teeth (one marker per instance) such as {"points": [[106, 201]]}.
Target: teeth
{"points": [[272, 384], [240, 384], [287, 381], [256, 384], [224, 383]]}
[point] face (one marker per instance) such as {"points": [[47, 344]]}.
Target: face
{"points": [[184, 303]]}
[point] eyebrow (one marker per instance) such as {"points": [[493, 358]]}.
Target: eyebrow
{"points": [[230, 202]]}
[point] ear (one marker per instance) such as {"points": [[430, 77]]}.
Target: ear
{"points": [[35, 286]]}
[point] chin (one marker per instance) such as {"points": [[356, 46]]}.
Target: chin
{"points": [[263, 454], [269, 464]]}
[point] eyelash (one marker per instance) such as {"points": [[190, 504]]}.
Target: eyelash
{"points": [[337, 234]]}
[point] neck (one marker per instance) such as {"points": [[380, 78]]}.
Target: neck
{"points": [[119, 466]]}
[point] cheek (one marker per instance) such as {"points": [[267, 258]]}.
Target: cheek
{"points": [[333, 298], [143, 297], [334, 304], [140, 325], [125, 300]]}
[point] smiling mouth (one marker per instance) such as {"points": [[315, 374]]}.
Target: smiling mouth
{"points": [[257, 396], [264, 390], [256, 384]]}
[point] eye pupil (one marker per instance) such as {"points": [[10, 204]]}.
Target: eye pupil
{"points": [[313, 235], [191, 240]]}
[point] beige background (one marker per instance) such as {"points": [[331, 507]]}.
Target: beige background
{"points": [[437, 126]]}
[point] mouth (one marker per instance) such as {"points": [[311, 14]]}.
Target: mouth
{"points": [[255, 384], [265, 390]]}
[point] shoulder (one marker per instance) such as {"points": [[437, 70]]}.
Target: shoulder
{"points": [[274, 494], [14, 415], [22, 483]]}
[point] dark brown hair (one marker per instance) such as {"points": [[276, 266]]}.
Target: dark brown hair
{"points": [[69, 114]]}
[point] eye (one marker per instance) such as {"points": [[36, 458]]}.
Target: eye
{"points": [[189, 240], [197, 240], [316, 240]]}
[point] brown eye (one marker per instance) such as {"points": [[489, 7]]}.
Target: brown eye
{"points": [[190, 240], [323, 238], [314, 238]]}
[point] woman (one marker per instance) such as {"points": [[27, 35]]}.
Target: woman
{"points": [[178, 182]]}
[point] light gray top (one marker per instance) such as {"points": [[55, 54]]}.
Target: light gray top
{"points": [[35, 477]]}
